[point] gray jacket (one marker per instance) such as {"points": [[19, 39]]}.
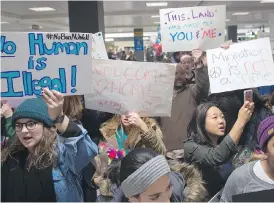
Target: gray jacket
{"points": [[212, 161]]}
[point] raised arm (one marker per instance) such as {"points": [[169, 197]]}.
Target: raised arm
{"points": [[218, 155], [75, 146], [200, 89]]}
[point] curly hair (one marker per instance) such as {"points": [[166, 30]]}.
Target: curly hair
{"points": [[44, 154]]}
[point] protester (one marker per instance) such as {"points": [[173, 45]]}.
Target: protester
{"points": [[41, 165], [125, 133], [187, 63], [269, 101], [131, 56], [145, 176], [130, 131], [254, 176], [123, 55], [231, 102], [7, 131], [185, 99], [204, 148]]}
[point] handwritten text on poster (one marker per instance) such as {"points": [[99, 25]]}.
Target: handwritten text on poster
{"points": [[185, 29], [122, 86], [244, 65], [32, 61]]}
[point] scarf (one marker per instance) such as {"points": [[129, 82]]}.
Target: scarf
{"points": [[121, 138]]}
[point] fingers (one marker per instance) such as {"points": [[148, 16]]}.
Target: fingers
{"points": [[59, 96], [48, 100], [226, 45], [50, 95]]}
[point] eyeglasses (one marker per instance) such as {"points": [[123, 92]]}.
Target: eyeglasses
{"points": [[30, 125], [186, 63]]}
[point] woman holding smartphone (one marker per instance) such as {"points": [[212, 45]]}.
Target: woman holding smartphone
{"points": [[205, 148]]}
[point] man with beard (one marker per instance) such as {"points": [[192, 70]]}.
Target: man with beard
{"points": [[185, 99]]}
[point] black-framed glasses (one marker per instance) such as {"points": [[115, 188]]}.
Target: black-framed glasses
{"points": [[30, 125]]}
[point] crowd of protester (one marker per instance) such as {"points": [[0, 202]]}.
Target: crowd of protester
{"points": [[54, 149]]}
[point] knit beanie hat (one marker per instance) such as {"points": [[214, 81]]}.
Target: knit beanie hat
{"points": [[265, 130], [35, 109]]}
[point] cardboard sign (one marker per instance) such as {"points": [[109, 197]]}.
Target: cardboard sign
{"points": [[122, 86], [98, 46], [244, 65], [32, 61], [185, 29]]}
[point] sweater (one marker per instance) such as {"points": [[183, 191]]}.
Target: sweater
{"points": [[175, 127], [243, 180]]}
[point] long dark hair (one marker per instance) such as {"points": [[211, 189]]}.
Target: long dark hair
{"points": [[196, 128]]}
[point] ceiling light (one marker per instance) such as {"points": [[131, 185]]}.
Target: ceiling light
{"points": [[155, 16], [240, 13], [4, 22], [248, 26], [227, 20], [145, 38], [41, 9], [154, 4], [109, 39], [157, 22], [267, 1]]}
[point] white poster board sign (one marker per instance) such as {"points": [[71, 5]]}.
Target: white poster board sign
{"points": [[32, 61], [244, 65], [185, 29], [122, 86], [98, 46]]}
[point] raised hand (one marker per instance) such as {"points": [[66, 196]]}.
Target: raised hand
{"points": [[6, 111], [54, 101], [246, 111], [226, 45], [198, 57]]}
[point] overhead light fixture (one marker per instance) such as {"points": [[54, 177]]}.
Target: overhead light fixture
{"points": [[42, 9], [248, 26], [155, 16], [156, 4], [145, 38], [109, 39], [156, 22], [227, 20], [4, 22], [240, 13], [267, 1]]}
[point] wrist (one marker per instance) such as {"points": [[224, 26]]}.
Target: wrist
{"points": [[241, 122]]}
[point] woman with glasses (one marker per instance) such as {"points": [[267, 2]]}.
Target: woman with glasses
{"points": [[45, 160]]}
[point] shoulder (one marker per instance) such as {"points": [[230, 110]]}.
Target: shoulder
{"points": [[242, 175]]}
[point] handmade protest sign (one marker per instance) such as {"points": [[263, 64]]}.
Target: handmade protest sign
{"points": [[98, 46], [244, 65], [185, 29], [32, 61], [122, 86]]}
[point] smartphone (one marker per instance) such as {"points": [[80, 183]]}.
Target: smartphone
{"points": [[248, 95]]}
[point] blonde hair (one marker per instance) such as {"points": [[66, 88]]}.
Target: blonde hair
{"points": [[44, 154], [73, 107], [133, 132]]}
